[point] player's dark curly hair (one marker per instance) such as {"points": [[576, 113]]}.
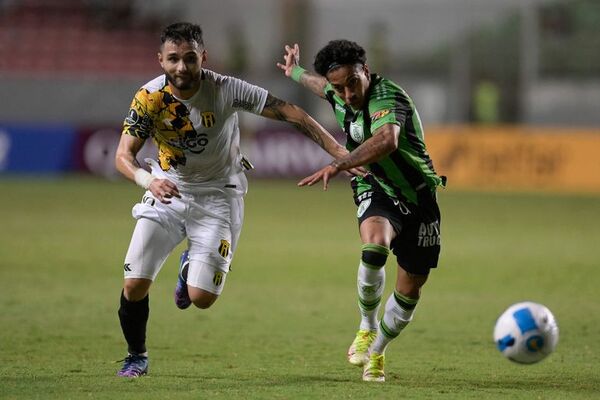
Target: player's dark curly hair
{"points": [[338, 53], [182, 32]]}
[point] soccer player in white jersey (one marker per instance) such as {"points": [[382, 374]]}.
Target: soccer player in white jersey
{"points": [[195, 190]]}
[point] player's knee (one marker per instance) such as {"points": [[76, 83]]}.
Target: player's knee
{"points": [[201, 298], [410, 284], [136, 289], [374, 255]]}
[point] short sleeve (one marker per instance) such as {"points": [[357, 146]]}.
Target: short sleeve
{"points": [[243, 96], [138, 122]]}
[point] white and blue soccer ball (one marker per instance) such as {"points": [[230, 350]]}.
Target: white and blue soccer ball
{"points": [[526, 332]]}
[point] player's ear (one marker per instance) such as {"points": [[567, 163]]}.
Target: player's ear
{"points": [[160, 59], [203, 56]]}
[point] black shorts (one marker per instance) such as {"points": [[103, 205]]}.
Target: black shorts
{"points": [[417, 227]]}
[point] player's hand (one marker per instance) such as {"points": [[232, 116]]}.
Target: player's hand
{"points": [[324, 174], [163, 190], [358, 171], [291, 58]]}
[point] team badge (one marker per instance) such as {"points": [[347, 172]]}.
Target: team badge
{"points": [[224, 248], [208, 119], [356, 132], [363, 207], [218, 278]]}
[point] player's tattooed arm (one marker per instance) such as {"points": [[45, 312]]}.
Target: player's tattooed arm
{"points": [[313, 82], [283, 111], [383, 142]]}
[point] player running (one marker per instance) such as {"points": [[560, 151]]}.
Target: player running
{"points": [[397, 206], [196, 187]]}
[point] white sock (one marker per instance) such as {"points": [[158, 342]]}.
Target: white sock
{"points": [[370, 285], [394, 320]]}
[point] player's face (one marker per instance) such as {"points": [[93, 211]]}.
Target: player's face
{"points": [[182, 63], [351, 83]]}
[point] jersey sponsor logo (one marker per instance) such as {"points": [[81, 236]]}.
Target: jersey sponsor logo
{"points": [[126, 267], [196, 143], [208, 119], [243, 104], [379, 114], [363, 207], [224, 248], [218, 278], [429, 234], [356, 132]]}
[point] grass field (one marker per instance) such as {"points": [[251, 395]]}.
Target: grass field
{"points": [[288, 312]]}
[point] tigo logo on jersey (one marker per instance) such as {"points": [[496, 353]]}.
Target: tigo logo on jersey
{"points": [[208, 119], [224, 248]]}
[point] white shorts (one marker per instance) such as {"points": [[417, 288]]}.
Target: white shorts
{"points": [[211, 219]]}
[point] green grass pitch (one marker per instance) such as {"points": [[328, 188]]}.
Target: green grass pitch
{"points": [[288, 311]]}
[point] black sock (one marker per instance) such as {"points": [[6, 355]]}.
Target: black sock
{"points": [[134, 316]]}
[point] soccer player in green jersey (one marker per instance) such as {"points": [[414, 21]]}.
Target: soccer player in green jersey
{"points": [[397, 207]]}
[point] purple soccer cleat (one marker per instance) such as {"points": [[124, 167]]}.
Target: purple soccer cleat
{"points": [[182, 298], [134, 366]]}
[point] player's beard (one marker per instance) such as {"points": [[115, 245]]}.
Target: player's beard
{"points": [[189, 82]]}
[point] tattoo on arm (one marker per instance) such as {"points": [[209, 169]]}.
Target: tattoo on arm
{"points": [[274, 104], [307, 127], [315, 83]]}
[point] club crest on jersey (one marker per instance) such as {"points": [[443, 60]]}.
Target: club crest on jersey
{"points": [[363, 207], [208, 119], [379, 114], [218, 278], [356, 132], [224, 248]]}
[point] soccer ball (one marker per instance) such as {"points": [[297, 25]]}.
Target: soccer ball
{"points": [[526, 332]]}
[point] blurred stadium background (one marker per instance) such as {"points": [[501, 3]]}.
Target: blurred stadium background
{"points": [[509, 90]]}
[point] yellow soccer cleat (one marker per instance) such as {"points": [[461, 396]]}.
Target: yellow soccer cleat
{"points": [[373, 371], [358, 353]]}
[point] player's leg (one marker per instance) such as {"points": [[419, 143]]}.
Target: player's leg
{"points": [[399, 310], [376, 234], [213, 237], [417, 248], [199, 288], [150, 245]]}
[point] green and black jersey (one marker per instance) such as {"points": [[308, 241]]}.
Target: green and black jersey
{"points": [[409, 168]]}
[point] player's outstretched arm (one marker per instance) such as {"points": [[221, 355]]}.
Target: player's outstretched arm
{"points": [[383, 142], [127, 164], [292, 69], [283, 111]]}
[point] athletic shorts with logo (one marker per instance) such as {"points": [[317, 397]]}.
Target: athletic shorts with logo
{"points": [[417, 227], [211, 219]]}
